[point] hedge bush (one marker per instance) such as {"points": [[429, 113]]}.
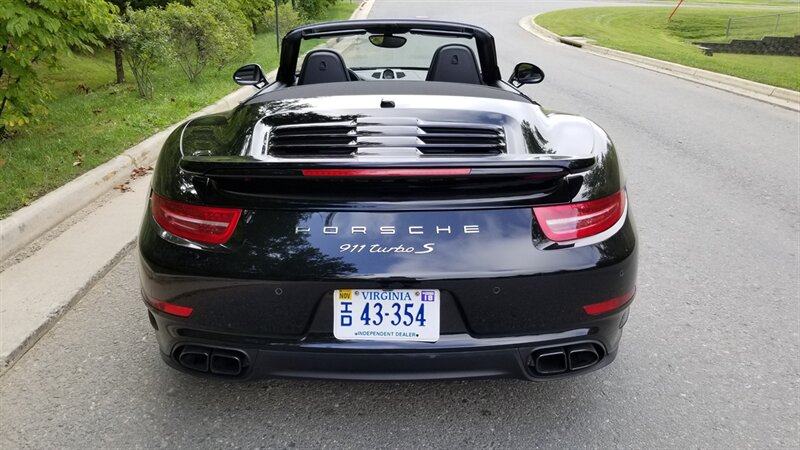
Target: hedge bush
{"points": [[144, 38]]}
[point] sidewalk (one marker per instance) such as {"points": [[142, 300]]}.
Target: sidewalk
{"points": [[40, 288]]}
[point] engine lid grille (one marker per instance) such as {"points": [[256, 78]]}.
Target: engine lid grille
{"points": [[370, 134]]}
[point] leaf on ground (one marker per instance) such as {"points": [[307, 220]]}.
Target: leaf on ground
{"points": [[140, 171], [76, 163], [2, 162], [123, 187]]}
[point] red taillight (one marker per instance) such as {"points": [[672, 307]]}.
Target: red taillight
{"points": [[385, 172], [578, 220], [609, 305], [206, 224]]}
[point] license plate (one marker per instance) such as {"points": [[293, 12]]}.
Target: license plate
{"points": [[378, 315]]}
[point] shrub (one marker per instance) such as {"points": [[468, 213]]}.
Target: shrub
{"points": [[232, 37], [255, 11], [210, 32], [312, 9], [116, 46], [143, 36], [288, 18], [35, 33]]}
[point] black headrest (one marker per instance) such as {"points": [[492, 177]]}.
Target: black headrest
{"points": [[454, 63], [323, 66]]}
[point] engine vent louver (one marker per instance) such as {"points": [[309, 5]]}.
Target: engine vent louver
{"points": [[338, 139], [461, 138], [318, 139]]}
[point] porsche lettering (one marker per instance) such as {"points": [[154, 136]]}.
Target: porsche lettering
{"points": [[391, 230]]}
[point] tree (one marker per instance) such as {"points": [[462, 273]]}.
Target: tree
{"points": [[210, 32], [256, 11], [288, 18], [312, 9], [143, 36], [37, 33], [122, 8]]}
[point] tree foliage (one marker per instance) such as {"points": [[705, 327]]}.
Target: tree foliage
{"points": [[143, 36], [256, 11], [313, 9], [116, 45], [210, 32], [288, 18], [35, 34]]}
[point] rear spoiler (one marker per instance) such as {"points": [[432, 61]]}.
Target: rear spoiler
{"points": [[248, 167]]}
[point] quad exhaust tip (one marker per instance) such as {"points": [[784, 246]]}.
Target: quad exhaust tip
{"points": [[551, 362], [225, 362], [558, 360], [582, 356], [217, 361], [194, 358]]}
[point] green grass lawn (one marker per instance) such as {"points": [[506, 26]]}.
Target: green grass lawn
{"points": [[92, 128], [645, 31]]}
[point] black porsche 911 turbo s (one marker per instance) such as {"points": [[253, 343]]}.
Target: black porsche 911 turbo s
{"points": [[388, 208]]}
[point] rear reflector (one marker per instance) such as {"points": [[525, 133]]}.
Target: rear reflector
{"points": [[385, 172], [579, 220], [169, 308], [609, 305], [210, 225]]}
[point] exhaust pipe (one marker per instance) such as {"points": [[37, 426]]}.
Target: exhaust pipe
{"points": [[218, 361], [194, 358], [225, 362], [582, 356], [550, 361], [570, 358]]}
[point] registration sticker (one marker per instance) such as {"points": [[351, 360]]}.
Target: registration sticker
{"points": [[386, 315]]}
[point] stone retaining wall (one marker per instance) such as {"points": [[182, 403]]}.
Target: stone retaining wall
{"points": [[768, 45]]}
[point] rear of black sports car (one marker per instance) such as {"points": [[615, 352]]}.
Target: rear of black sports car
{"points": [[462, 232]]}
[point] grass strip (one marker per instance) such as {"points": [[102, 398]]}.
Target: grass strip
{"points": [[645, 31]]}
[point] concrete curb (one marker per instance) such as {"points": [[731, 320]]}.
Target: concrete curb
{"points": [[72, 262], [363, 10], [785, 98], [8, 358]]}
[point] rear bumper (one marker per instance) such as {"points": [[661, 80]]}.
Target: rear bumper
{"points": [[454, 356], [503, 299]]}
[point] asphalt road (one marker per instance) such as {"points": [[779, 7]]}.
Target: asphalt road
{"points": [[711, 355]]}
